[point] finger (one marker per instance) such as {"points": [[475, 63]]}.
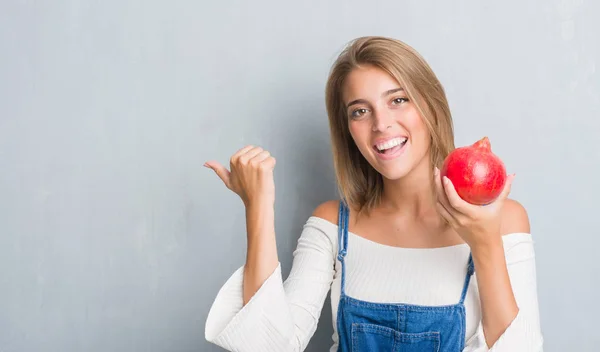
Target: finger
{"points": [[221, 171], [455, 200], [440, 192], [268, 163], [246, 157], [445, 214], [260, 157], [507, 187], [239, 153]]}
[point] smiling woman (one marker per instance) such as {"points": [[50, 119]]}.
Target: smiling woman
{"points": [[384, 125], [409, 264]]}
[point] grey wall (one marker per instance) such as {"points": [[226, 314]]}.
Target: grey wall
{"points": [[113, 237]]}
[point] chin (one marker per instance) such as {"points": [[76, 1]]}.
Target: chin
{"points": [[394, 173], [398, 168]]}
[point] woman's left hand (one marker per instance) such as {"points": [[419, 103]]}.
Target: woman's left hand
{"points": [[477, 225]]}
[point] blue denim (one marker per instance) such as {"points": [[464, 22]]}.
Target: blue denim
{"points": [[367, 326]]}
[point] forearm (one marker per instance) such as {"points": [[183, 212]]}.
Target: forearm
{"points": [[498, 304], [261, 257]]}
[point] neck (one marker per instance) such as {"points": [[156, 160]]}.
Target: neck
{"points": [[412, 194]]}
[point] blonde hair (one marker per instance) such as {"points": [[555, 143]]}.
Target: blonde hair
{"points": [[359, 184]]}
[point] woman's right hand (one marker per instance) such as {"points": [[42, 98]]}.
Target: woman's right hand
{"points": [[251, 175]]}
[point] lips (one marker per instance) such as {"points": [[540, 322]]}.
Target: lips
{"points": [[392, 153], [390, 145]]}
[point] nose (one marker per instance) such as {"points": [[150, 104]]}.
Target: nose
{"points": [[382, 120]]}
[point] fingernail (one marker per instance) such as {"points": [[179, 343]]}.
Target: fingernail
{"points": [[206, 165]]}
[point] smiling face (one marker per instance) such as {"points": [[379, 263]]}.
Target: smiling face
{"points": [[385, 125], [366, 107]]}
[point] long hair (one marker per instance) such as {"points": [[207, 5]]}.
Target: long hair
{"points": [[359, 184]]}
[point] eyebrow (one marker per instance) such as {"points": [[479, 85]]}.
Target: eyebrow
{"points": [[385, 94]]}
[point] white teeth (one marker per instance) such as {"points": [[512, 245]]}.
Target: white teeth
{"points": [[391, 143]]}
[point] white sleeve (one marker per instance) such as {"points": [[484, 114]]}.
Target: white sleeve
{"points": [[524, 333], [280, 316]]}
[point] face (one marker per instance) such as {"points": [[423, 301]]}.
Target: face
{"points": [[384, 123]]}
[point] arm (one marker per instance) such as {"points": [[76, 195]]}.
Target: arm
{"points": [[506, 278], [498, 305], [523, 333], [261, 257], [255, 310], [251, 178], [281, 315]]}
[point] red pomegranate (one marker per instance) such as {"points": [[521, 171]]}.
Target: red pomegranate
{"points": [[477, 174]]}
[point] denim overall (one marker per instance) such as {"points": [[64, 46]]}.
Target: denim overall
{"points": [[366, 326]]}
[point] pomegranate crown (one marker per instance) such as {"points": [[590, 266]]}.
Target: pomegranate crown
{"points": [[483, 143]]}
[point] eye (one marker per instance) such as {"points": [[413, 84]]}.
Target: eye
{"points": [[358, 113], [399, 101]]}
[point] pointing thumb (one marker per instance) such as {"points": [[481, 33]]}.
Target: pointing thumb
{"points": [[221, 171]]}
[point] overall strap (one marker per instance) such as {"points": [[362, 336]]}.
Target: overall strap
{"points": [[470, 271], [343, 240]]}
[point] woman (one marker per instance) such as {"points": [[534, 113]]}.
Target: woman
{"points": [[410, 265]]}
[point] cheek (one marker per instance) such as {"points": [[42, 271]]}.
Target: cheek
{"points": [[360, 133], [419, 132], [357, 132], [417, 125], [422, 130]]}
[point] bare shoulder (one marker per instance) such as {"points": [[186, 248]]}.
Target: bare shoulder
{"points": [[328, 211], [514, 218]]}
